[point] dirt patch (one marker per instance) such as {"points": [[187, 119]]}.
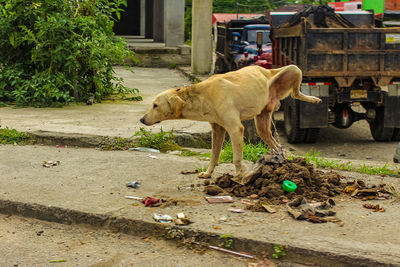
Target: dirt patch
{"points": [[267, 179]]}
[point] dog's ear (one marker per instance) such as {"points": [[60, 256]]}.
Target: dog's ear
{"points": [[176, 104]]}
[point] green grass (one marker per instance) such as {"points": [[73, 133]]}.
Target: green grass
{"points": [[313, 157], [201, 169], [12, 136], [251, 152], [162, 141]]}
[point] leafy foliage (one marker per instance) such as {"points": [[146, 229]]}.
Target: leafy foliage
{"points": [[280, 251], [227, 241], [56, 51], [12, 136], [162, 141]]}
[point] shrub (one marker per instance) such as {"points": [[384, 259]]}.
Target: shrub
{"points": [[58, 51]]}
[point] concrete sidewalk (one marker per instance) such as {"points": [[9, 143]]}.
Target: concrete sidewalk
{"points": [[88, 187], [109, 118]]}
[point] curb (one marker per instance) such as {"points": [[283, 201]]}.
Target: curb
{"points": [[196, 140], [294, 254]]}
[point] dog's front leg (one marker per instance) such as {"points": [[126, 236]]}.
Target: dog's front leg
{"points": [[236, 135], [218, 137]]}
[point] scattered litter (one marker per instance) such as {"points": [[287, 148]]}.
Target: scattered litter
{"points": [[268, 207], [151, 202], [228, 251], [235, 210], [182, 219], [58, 146], [219, 199], [222, 219], [321, 212], [248, 202], [216, 227], [358, 189], [50, 163], [56, 261], [162, 218], [189, 172], [135, 198], [374, 208], [144, 149], [253, 196], [133, 184], [260, 206], [147, 201], [152, 156]]}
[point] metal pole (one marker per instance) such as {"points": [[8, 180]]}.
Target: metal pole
{"points": [[237, 9]]}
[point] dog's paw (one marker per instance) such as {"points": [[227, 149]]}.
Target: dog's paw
{"points": [[316, 100], [204, 175]]}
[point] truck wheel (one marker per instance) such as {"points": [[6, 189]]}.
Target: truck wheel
{"points": [[396, 134], [312, 135], [378, 131], [294, 133]]}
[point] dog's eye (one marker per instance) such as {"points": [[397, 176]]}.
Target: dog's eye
{"points": [[155, 105]]}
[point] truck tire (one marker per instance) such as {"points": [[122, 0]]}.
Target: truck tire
{"points": [[294, 133], [312, 135], [378, 131], [396, 134]]}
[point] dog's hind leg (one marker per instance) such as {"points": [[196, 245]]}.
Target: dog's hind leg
{"points": [[297, 94], [218, 137], [263, 126]]}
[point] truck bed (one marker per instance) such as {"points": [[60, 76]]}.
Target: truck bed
{"points": [[338, 52]]}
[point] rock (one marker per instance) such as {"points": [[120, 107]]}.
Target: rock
{"points": [[213, 190]]}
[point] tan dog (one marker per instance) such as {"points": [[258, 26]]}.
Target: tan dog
{"points": [[225, 100]]}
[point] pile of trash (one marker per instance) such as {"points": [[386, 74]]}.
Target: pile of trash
{"points": [[319, 17], [267, 178]]}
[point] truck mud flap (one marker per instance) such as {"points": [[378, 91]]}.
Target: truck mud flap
{"points": [[314, 115], [392, 112]]}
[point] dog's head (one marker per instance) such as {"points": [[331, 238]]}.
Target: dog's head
{"points": [[168, 105]]}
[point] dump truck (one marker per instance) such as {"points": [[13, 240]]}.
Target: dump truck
{"points": [[346, 61], [242, 42]]}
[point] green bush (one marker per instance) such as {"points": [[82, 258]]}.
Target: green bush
{"points": [[58, 51], [12, 136], [162, 141]]}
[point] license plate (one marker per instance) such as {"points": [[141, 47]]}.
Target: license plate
{"points": [[358, 94]]}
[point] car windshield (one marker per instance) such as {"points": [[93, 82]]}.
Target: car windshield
{"points": [[252, 36]]}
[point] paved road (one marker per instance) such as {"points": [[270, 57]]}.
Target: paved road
{"points": [[355, 142], [29, 242]]}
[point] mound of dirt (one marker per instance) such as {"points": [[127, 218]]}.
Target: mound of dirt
{"points": [[267, 178]]}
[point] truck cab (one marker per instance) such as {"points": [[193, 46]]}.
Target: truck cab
{"points": [[241, 43]]}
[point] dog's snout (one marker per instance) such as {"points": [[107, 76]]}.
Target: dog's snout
{"points": [[142, 120]]}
